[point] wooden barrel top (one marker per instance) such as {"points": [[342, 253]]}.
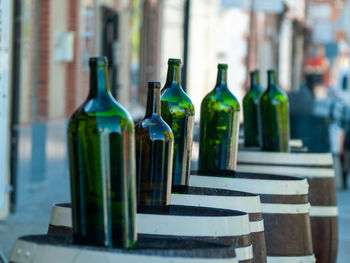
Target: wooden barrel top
{"points": [[43, 248]]}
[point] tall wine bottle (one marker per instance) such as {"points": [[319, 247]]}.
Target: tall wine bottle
{"points": [[274, 117], [178, 112], [154, 154], [219, 127], [251, 111], [102, 166]]}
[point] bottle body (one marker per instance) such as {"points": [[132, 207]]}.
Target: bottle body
{"points": [[219, 127], [274, 117], [102, 168], [154, 152], [178, 112], [251, 112]]}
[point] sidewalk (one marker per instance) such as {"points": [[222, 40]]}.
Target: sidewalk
{"points": [[35, 203]]}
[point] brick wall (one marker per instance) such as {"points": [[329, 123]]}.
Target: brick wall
{"points": [[41, 54], [43, 59], [71, 73]]}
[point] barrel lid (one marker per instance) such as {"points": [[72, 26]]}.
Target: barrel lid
{"points": [[267, 176], [150, 247], [184, 189], [249, 175], [193, 211]]}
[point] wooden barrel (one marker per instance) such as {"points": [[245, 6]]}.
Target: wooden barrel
{"points": [[285, 208], [318, 169], [200, 223], [224, 226], [60, 249], [227, 199]]}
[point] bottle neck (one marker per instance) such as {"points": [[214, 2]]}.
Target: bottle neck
{"points": [[99, 82], [173, 75], [153, 102], [271, 81], [254, 80], [221, 79]]}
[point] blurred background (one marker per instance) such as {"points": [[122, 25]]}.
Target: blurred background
{"points": [[44, 50]]}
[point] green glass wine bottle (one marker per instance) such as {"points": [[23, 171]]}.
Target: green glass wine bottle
{"points": [[219, 127], [274, 117], [251, 111], [154, 154], [102, 166], [178, 113]]}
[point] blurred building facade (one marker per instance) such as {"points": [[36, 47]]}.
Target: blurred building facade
{"points": [[54, 39], [57, 38]]}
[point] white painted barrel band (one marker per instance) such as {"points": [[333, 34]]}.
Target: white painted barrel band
{"points": [[248, 204], [285, 208], [295, 143], [256, 226], [309, 172], [199, 226], [323, 211], [292, 142], [244, 253], [258, 186], [61, 216], [315, 159], [30, 252], [300, 259]]}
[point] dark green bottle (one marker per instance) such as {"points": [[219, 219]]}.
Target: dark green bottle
{"points": [[219, 127], [102, 166], [154, 153], [178, 112], [274, 117], [251, 111]]}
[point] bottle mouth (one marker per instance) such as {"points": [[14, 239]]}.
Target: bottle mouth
{"points": [[154, 85], [174, 61], [222, 66], [98, 61], [271, 71]]}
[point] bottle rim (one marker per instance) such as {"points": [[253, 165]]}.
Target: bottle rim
{"points": [[98, 61], [222, 66], [174, 61], [154, 85]]}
